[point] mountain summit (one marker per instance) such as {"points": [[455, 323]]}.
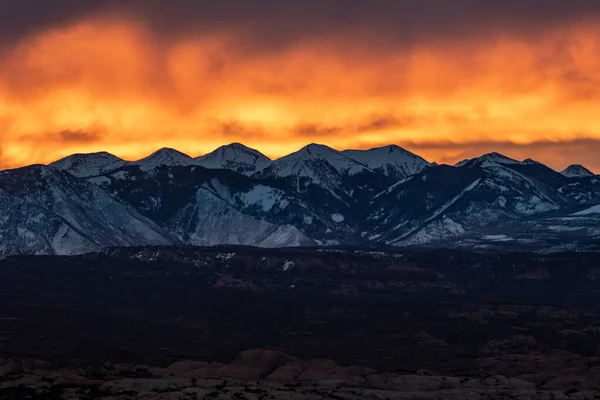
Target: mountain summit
{"points": [[236, 157], [91, 164], [165, 157], [488, 159], [312, 161], [392, 161], [576, 171]]}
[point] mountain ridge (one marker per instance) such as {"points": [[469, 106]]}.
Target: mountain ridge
{"points": [[315, 196], [64, 162]]}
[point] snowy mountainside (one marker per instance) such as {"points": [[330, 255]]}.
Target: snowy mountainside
{"points": [[325, 177], [210, 220], [48, 211], [194, 201], [235, 157], [455, 201], [29, 228]]}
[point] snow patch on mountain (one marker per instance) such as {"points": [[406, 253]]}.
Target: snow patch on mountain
{"points": [[588, 211], [498, 238], [430, 228], [440, 230], [337, 218], [287, 265], [263, 196]]}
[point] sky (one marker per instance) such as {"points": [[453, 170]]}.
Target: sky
{"points": [[447, 80]]}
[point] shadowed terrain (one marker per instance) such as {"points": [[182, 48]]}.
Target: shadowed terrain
{"points": [[407, 313]]}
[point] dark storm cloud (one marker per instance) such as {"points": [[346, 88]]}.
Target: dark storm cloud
{"points": [[78, 136], [273, 23], [20, 18], [235, 128], [316, 130]]}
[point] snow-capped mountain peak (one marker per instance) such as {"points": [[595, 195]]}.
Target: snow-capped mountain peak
{"points": [[236, 157], [167, 157], [393, 161], [488, 159], [307, 158], [90, 164], [576, 171]]}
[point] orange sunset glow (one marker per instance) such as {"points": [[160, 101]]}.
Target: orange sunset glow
{"points": [[110, 81]]}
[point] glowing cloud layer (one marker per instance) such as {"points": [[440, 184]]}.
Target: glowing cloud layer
{"points": [[111, 82]]}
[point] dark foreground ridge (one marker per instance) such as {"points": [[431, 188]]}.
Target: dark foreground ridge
{"points": [[417, 315], [263, 374]]}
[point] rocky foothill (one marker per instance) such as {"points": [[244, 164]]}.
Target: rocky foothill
{"points": [[269, 374]]}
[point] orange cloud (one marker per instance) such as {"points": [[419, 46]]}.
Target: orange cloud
{"points": [[112, 84]]}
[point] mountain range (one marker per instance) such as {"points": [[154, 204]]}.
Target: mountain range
{"points": [[385, 196]]}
